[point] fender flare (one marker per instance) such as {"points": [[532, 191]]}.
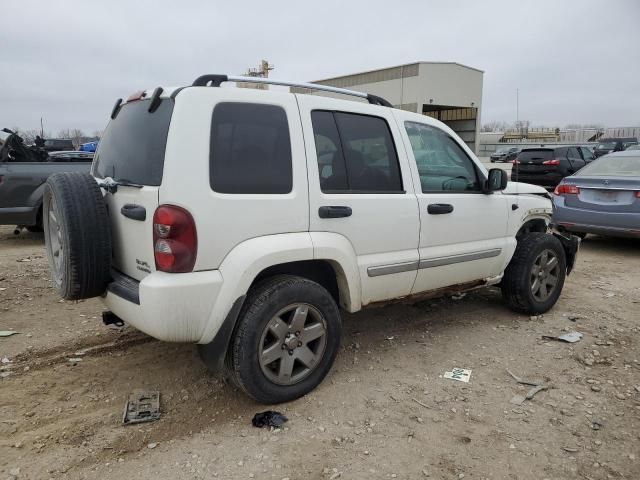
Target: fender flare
{"points": [[246, 260]]}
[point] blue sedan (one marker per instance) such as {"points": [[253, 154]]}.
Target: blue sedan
{"points": [[601, 198]]}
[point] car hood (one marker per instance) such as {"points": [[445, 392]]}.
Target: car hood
{"points": [[517, 188]]}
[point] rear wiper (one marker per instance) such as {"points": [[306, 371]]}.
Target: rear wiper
{"points": [[111, 185]]}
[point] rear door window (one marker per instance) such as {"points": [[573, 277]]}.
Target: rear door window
{"points": [[133, 146], [356, 153], [250, 149]]}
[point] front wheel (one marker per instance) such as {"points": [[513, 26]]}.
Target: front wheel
{"points": [[535, 276], [286, 341]]}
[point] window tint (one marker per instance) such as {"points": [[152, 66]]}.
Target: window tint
{"points": [[534, 155], [250, 150], [586, 153], [442, 164], [134, 144], [573, 153], [355, 153], [329, 150]]}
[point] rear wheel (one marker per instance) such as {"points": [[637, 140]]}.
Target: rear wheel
{"points": [[535, 276], [286, 340], [77, 235]]}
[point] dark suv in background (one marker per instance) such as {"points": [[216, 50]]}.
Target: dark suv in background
{"points": [[546, 166], [608, 145], [504, 154]]}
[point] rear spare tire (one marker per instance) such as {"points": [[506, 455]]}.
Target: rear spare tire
{"points": [[77, 235]]}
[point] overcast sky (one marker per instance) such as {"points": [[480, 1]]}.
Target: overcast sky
{"points": [[67, 61]]}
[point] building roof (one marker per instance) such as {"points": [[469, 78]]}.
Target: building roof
{"points": [[398, 66]]}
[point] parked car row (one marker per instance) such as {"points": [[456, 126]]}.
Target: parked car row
{"points": [[591, 193], [608, 145]]}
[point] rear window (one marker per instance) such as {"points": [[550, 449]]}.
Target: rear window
{"points": [[612, 166], [133, 146], [250, 149], [606, 146], [536, 155]]}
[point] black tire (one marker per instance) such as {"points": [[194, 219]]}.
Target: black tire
{"points": [[263, 302], [518, 282], [82, 267]]}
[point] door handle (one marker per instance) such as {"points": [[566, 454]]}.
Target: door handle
{"points": [[332, 211], [134, 212], [439, 208]]}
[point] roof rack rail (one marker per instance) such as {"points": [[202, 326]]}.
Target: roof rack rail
{"points": [[216, 80]]}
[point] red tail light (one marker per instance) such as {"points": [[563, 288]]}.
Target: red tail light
{"points": [[637, 193], [551, 162], [566, 189], [175, 241]]}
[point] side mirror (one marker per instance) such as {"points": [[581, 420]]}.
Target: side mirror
{"points": [[497, 180]]}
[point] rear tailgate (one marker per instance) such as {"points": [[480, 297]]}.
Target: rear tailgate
{"points": [[132, 152], [531, 160]]}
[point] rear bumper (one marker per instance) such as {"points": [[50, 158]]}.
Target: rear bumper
{"points": [[18, 216], [170, 307], [600, 223]]}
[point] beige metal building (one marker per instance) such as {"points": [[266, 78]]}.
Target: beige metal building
{"points": [[448, 91]]}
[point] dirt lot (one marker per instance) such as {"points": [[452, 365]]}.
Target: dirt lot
{"points": [[383, 412]]}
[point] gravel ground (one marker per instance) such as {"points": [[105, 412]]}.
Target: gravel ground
{"points": [[385, 411]]}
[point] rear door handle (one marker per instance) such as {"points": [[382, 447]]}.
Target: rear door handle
{"points": [[333, 211], [439, 208], [134, 212]]}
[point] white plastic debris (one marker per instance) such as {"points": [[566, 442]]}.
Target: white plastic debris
{"points": [[459, 374]]}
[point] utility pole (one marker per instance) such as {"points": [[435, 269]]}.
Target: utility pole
{"points": [[517, 105], [41, 128]]}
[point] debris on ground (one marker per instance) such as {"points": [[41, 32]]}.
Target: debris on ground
{"points": [[7, 333], [458, 296], [533, 383], [531, 393], [538, 386], [459, 374], [571, 337], [268, 419], [142, 407]]}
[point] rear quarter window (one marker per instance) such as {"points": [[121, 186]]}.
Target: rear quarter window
{"points": [[250, 149]]}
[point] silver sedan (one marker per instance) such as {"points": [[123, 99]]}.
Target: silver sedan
{"points": [[601, 198]]}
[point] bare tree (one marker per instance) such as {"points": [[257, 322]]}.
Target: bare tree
{"points": [[29, 136], [77, 136], [64, 133], [98, 134]]}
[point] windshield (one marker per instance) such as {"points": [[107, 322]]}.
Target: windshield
{"points": [[132, 148], [606, 146], [612, 167], [503, 150]]}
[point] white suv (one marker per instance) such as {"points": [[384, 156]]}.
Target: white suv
{"points": [[243, 220]]}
